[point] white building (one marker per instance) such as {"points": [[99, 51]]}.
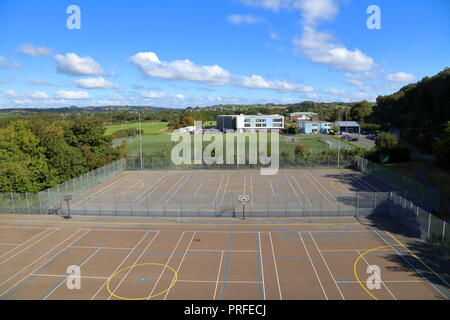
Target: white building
{"points": [[250, 123]]}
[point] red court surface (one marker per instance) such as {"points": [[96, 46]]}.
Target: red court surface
{"points": [[132, 258]]}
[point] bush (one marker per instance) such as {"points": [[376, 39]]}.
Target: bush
{"points": [[301, 150]]}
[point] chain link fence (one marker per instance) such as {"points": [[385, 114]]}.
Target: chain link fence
{"points": [[337, 144], [422, 195]]}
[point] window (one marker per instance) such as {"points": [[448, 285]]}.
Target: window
{"points": [[277, 120], [247, 125]]}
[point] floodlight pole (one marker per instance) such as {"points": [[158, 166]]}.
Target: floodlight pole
{"points": [[243, 210], [140, 142]]}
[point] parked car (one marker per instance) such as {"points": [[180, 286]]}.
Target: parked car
{"points": [[372, 136]]}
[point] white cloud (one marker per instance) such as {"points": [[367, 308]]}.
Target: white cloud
{"points": [[96, 83], [258, 82], [13, 65], [149, 64], [400, 77], [34, 51], [73, 64], [153, 95], [238, 19], [315, 10], [318, 46], [42, 83], [274, 5], [35, 95], [72, 95], [180, 97]]}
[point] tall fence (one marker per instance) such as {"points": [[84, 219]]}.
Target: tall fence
{"points": [[311, 161], [336, 144], [422, 195], [401, 206], [418, 221], [52, 198]]}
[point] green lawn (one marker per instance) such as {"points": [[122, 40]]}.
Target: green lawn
{"points": [[407, 169], [148, 127], [162, 143], [440, 179]]}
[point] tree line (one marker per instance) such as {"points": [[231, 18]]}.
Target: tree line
{"points": [[41, 152]]}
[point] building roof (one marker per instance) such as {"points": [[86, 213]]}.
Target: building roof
{"points": [[347, 123], [303, 114]]}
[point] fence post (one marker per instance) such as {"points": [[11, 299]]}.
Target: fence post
{"points": [[429, 225], [26, 199], [357, 203], [443, 232], [40, 205], [12, 202]]}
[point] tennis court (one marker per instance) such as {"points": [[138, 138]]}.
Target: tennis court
{"points": [[215, 193], [210, 259]]}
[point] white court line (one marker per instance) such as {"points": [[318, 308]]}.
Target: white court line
{"points": [[301, 189], [123, 261], [310, 260], [218, 189], [385, 281], [178, 189], [241, 251], [104, 189], [227, 232], [21, 244], [179, 266], [251, 190], [417, 271], [382, 282], [262, 265], [22, 250], [65, 276], [105, 248], [114, 230], [276, 268], [271, 185], [43, 264], [155, 186], [355, 250], [292, 187], [359, 180], [326, 190], [225, 190], [200, 185], [14, 227], [170, 189], [214, 281], [81, 265], [135, 263], [218, 275], [173, 252], [326, 264]]}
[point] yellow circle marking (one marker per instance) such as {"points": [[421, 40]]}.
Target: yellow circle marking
{"points": [[356, 264], [245, 186], [174, 281]]}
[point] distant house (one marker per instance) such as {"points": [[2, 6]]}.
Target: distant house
{"points": [[189, 130], [314, 127], [303, 116], [250, 123], [349, 126]]}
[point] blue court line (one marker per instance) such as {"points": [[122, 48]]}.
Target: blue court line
{"points": [[227, 265], [258, 262]]}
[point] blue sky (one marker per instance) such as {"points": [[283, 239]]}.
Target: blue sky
{"points": [[179, 53]]}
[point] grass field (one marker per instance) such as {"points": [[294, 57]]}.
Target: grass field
{"points": [[440, 179], [162, 143], [148, 127]]}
